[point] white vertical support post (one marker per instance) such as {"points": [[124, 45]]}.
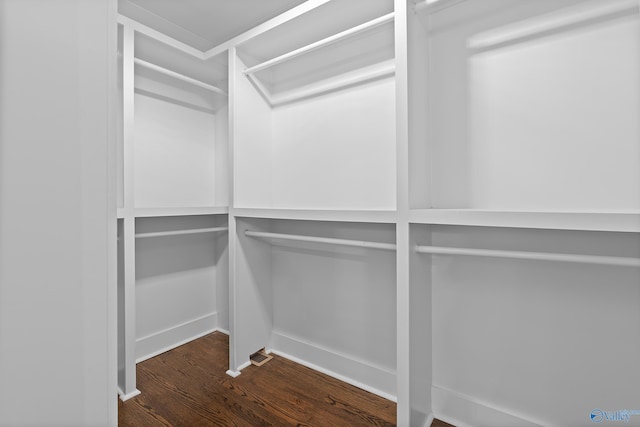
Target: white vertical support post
{"points": [[414, 369], [403, 324], [233, 238], [414, 273], [402, 225], [128, 388], [234, 365]]}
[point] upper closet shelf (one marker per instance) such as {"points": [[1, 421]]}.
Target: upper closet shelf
{"points": [[433, 6], [622, 221], [363, 75], [179, 76], [355, 48], [322, 43], [317, 215], [569, 17]]}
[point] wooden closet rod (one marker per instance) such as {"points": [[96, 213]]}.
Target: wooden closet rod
{"points": [[328, 240], [180, 232], [179, 76], [541, 256], [321, 43]]}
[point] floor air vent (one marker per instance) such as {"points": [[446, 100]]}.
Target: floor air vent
{"points": [[260, 357]]}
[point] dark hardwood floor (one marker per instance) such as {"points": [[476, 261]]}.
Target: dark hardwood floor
{"points": [[188, 386]]}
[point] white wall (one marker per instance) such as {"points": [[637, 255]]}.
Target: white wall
{"points": [[57, 213], [339, 299], [174, 159], [332, 307], [542, 123], [553, 122], [546, 342], [176, 285], [336, 151]]}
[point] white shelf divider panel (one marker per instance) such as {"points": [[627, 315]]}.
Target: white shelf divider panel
{"points": [[127, 290], [628, 222]]}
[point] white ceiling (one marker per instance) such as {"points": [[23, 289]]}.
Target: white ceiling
{"points": [[203, 24]]}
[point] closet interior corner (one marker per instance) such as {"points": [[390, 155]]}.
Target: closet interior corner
{"points": [[437, 201], [173, 196]]}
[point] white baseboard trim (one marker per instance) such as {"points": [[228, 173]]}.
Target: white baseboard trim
{"points": [[125, 397], [240, 368], [359, 373], [175, 336], [233, 374], [429, 421], [224, 331], [465, 411]]}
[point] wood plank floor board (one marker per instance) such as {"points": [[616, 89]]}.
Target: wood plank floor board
{"points": [[188, 386]]}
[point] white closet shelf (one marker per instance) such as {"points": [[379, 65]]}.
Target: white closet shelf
{"points": [[433, 6], [616, 221], [161, 37], [558, 20], [345, 79], [279, 20], [317, 215], [535, 256], [179, 76], [322, 43], [361, 76], [325, 240], [181, 232], [186, 211]]}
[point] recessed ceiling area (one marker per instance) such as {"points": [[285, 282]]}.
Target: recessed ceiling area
{"points": [[203, 24]]}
